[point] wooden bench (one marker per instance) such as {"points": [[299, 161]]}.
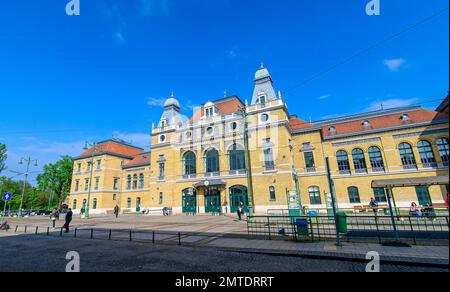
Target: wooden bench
{"points": [[367, 208]]}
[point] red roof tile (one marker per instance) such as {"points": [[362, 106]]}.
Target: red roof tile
{"points": [[387, 121], [225, 107], [297, 124], [139, 160], [115, 148]]}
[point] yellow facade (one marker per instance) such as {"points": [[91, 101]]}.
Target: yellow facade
{"points": [[183, 160]]}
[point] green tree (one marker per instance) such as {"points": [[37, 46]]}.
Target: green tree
{"points": [[3, 157], [57, 178]]}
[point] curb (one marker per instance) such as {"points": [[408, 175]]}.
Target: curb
{"points": [[357, 258]]}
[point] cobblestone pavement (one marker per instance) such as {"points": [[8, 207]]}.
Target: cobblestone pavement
{"points": [[37, 253]]}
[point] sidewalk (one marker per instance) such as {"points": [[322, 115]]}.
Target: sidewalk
{"points": [[423, 255]]}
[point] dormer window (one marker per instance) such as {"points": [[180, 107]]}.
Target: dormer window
{"points": [[262, 99], [366, 124], [332, 129], [163, 123], [209, 112], [405, 117]]}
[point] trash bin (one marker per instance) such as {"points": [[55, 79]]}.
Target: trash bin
{"points": [[342, 222], [302, 227], [387, 212]]}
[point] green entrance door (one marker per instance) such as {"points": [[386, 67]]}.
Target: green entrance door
{"points": [[212, 201], [238, 195], [138, 205], [190, 201], [423, 194]]}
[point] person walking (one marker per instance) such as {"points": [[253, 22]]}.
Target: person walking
{"points": [[374, 205], [116, 211], [69, 216], [240, 211]]}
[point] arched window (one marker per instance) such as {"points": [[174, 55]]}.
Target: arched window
{"points": [[129, 203], [189, 164], [443, 148], [129, 182], [141, 181], [236, 156], [353, 194], [314, 195], [376, 159], [212, 162], [94, 204], [426, 154], [135, 181], [272, 194], [74, 205], [343, 163], [407, 156], [359, 161]]}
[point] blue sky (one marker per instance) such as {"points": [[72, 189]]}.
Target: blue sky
{"points": [[103, 74]]}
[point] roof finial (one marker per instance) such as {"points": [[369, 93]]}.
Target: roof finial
{"points": [[172, 94], [382, 107], [225, 93], [262, 65]]}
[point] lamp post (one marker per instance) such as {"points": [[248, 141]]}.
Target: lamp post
{"points": [[94, 147], [28, 161], [243, 112]]}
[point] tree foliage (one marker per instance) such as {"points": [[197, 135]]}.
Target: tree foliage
{"points": [[57, 178], [3, 157]]}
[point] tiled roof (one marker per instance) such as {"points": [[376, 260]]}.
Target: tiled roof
{"points": [[297, 124], [381, 122], [142, 159], [114, 147], [225, 106]]}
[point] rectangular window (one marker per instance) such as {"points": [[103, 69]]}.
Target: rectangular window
{"points": [[309, 162], [79, 167], [86, 186], [380, 195], [268, 159], [99, 164], [314, 196], [97, 183], [116, 183], [423, 195], [162, 167], [161, 198], [77, 185]]}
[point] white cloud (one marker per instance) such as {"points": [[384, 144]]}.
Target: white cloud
{"points": [[391, 103], [156, 101], [323, 97], [142, 140], [155, 7], [394, 64], [120, 37]]}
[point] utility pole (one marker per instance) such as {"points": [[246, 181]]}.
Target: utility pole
{"points": [[28, 160], [94, 147], [333, 200], [248, 168]]}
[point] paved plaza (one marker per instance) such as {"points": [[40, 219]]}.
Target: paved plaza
{"points": [[38, 253], [216, 233]]}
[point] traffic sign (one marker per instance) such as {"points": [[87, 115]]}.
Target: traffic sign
{"points": [[7, 197]]}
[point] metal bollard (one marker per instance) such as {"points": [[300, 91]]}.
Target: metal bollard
{"points": [[37, 229], [48, 231], [25, 229], [75, 233], [110, 234], [131, 236], [153, 237], [179, 238], [16, 229], [92, 233], [61, 232]]}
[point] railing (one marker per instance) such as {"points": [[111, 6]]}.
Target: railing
{"points": [[378, 229]]}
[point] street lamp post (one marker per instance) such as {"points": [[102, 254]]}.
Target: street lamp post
{"points": [[28, 160], [243, 112], [93, 145]]}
